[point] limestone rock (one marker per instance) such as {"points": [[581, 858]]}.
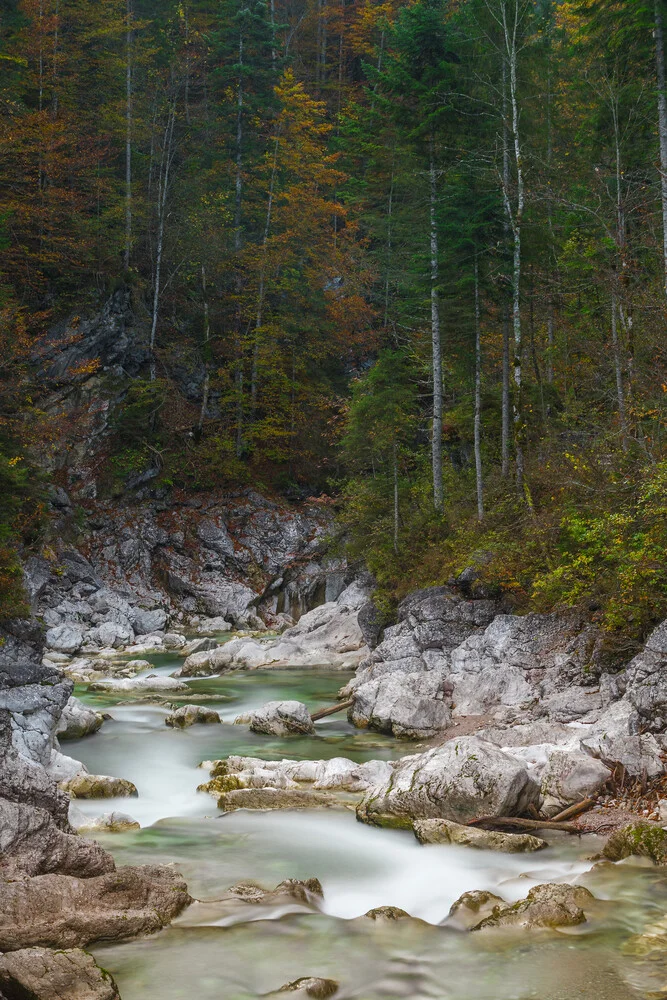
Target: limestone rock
{"points": [[174, 640], [641, 838], [34, 695], [43, 974], [99, 786], [114, 635], [549, 905], [65, 638], [639, 754], [191, 715], [371, 621], [60, 911], [140, 685], [197, 665], [307, 891], [443, 831], [472, 907], [212, 626], [570, 777], [32, 844], [273, 798], [198, 646], [459, 780], [78, 720], [282, 718], [414, 705], [310, 986], [387, 913], [146, 622], [113, 822], [647, 680]]}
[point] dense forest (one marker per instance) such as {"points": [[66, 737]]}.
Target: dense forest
{"points": [[415, 255]]}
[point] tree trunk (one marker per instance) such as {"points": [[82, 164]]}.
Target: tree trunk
{"points": [[618, 370], [128, 136], [662, 124], [478, 400], [262, 280], [396, 507], [505, 406], [206, 352], [238, 192], [436, 435], [163, 187], [390, 207]]}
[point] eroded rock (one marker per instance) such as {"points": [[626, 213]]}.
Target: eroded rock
{"points": [[443, 831], [78, 720], [99, 786], [309, 986], [282, 718], [641, 839], [191, 715], [473, 907], [550, 905], [570, 777], [42, 974]]}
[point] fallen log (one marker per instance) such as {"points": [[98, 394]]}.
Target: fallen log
{"points": [[574, 810], [331, 710], [523, 824]]}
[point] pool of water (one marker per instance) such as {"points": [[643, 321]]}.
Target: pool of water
{"points": [[209, 955]]}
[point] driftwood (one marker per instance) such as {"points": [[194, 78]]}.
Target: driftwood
{"points": [[523, 824], [323, 712], [575, 810]]}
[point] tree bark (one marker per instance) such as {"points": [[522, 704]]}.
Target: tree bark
{"points": [[163, 188], [436, 434], [206, 351], [238, 194], [396, 507], [618, 370], [128, 136], [478, 400], [662, 124], [262, 281], [506, 399]]}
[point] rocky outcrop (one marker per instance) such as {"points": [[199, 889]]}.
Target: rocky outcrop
{"points": [[60, 911], [647, 681], [327, 636], [42, 974], [443, 831], [460, 780], [282, 718], [414, 706]]}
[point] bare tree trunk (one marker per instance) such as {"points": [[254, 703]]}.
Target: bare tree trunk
{"points": [[56, 39], [618, 369], [550, 303], [390, 206], [505, 405], [436, 435], [396, 507], [206, 351], [238, 192], [478, 400], [186, 95], [662, 123], [163, 188], [128, 136], [262, 280]]}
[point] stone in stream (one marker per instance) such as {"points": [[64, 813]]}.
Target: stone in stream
{"points": [[309, 986], [387, 913], [641, 839], [60, 911], [568, 778], [407, 705], [199, 664], [472, 907], [174, 640], [131, 685], [191, 715], [78, 720], [113, 822], [198, 646], [460, 780], [42, 974], [282, 718], [65, 638], [99, 786], [273, 798], [443, 831], [211, 626], [548, 905]]}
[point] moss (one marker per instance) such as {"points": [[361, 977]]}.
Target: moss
{"points": [[646, 840], [385, 820], [220, 784]]}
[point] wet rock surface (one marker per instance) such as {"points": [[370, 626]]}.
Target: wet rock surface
{"points": [[191, 715], [309, 986], [282, 718], [443, 831], [550, 905], [43, 974], [639, 839]]}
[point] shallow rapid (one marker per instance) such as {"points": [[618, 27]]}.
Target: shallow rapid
{"points": [[209, 953]]}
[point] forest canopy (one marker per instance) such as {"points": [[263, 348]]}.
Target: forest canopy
{"points": [[413, 255]]}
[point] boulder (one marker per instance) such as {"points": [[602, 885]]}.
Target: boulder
{"points": [[65, 638], [273, 798], [173, 640], [640, 755], [641, 839], [198, 646], [197, 665], [282, 718], [309, 986], [308, 891], [570, 777], [60, 911], [145, 622], [472, 907], [386, 914], [414, 706], [212, 626], [443, 831], [371, 621], [115, 635], [549, 905], [42, 974], [78, 720], [99, 786], [113, 822], [35, 696], [460, 780], [191, 715]]}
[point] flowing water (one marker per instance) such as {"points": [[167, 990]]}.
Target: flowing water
{"points": [[212, 954]]}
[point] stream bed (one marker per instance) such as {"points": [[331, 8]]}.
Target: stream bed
{"points": [[209, 955]]}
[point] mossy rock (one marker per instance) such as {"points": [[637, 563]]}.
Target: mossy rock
{"points": [[223, 783], [387, 821], [641, 839]]}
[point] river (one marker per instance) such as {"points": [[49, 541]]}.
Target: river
{"points": [[209, 955]]}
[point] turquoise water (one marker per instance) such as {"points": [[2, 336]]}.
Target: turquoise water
{"points": [[210, 954]]}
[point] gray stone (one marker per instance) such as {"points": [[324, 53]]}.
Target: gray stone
{"points": [[282, 718], [43, 974], [99, 786], [569, 778], [549, 905], [140, 685], [443, 831], [114, 634], [639, 755], [146, 622], [460, 780], [190, 715], [407, 705], [647, 680], [472, 907], [78, 720], [65, 638]]}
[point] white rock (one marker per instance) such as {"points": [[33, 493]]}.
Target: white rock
{"points": [[140, 684], [211, 626], [115, 635], [282, 718], [173, 640], [65, 638], [570, 777]]}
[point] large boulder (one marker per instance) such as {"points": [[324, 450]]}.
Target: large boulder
{"points": [[60, 911], [78, 720], [461, 780], [114, 635], [191, 715], [65, 638], [98, 786], [282, 718], [641, 839], [42, 974], [414, 706], [35, 695], [145, 621], [639, 754], [31, 843], [570, 777], [153, 684]]}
